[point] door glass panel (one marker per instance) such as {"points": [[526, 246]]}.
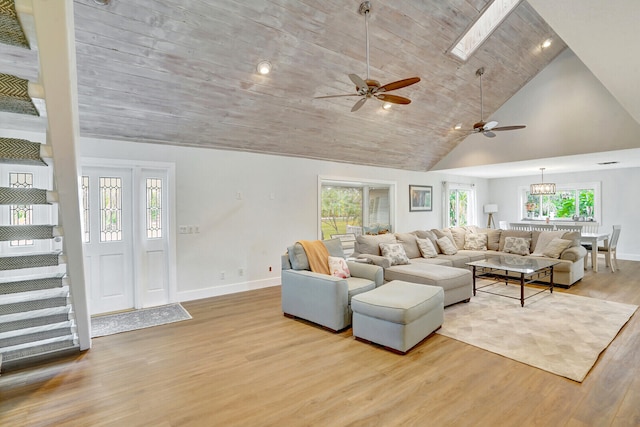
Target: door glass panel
{"points": [[154, 208], [21, 214], [86, 229], [110, 209]]}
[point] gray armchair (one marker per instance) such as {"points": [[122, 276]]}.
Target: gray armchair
{"points": [[320, 298]]}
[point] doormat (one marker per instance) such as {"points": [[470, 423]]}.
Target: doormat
{"points": [[137, 319]]}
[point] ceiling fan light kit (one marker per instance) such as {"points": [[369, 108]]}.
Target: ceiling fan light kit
{"points": [[368, 88]]}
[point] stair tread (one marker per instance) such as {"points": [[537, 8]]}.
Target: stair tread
{"points": [[38, 348], [32, 336], [43, 317]]}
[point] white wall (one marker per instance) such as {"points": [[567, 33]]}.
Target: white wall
{"points": [[620, 201], [278, 205]]}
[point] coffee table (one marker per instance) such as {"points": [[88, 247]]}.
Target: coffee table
{"points": [[498, 267]]}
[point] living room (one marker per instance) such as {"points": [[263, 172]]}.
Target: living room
{"points": [[247, 207]]}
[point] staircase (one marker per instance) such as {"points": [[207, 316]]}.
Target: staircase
{"points": [[43, 300]]}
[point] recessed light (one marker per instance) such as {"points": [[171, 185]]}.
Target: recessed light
{"points": [[386, 105], [545, 44], [102, 2], [458, 126], [264, 67]]}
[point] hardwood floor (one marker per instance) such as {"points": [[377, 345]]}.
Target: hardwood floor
{"points": [[241, 362]]}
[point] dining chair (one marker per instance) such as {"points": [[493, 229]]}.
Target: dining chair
{"points": [[610, 250], [591, 228], [541, 227], [568, 227]]}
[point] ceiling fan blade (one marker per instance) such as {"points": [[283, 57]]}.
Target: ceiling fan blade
{"points": [[489, 125], [399, 84], [489, 134], [394, 99], [509, 128], [359, 104], [336, 96], [360, 84]]}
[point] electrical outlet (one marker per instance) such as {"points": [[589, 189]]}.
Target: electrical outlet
{"points": [[270, 269], [222, 275], [182, 229]]}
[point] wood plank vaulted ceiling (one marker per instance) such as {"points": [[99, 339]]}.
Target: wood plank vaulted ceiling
{"points": [[184, 72]]}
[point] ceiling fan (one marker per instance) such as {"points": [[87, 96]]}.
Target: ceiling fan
{"points": [[367, 88], [488, 128]]}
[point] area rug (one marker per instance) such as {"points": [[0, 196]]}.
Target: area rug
{"points": [[560, 333], [137, 319]]}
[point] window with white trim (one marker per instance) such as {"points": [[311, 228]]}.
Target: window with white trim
{"points": [[459, 204], [572, 202]]}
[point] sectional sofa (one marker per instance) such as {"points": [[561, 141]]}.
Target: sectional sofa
{"points": [[454, 247]]}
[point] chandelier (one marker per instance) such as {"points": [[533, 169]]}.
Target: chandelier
{"points": [[543, 188]]}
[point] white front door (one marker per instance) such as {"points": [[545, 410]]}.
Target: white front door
{"points": [[108, 238]]}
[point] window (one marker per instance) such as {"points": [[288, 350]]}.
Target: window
{"points": [[21, 214], [572, 202], [459, 204], [348, 206], [154, 208]]}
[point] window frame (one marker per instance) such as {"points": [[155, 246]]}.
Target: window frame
{"points": [[596, 186], [357, 182]]}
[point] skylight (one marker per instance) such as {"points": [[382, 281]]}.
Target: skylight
{"points": [[483, 27]]}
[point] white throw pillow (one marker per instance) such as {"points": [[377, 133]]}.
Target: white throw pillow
{"points": [[555, 247], [544, 239], [338, 267], [426, 248], [446, 246], [516, 245], [476, 242], [394, 252]]}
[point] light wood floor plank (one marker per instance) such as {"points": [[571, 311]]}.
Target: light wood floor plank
{"points": [[239, 361]]}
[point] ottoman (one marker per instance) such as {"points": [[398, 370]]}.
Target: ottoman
{"points": [[397, 315], [456, 282]]}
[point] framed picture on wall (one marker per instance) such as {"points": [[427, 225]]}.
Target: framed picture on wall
{"points": [[420, 198]]}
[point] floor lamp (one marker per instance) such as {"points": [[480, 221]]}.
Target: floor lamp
{"points": [[490, 209]]}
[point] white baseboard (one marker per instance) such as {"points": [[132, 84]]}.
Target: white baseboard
{"points": [[227, 289]]}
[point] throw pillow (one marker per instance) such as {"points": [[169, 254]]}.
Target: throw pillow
{"points": [[544, 239], [334, 247], [555, 247], [447, 246], [517, 245], [475, 242], [394, 252], [298, 257], [426, 248], [371, 231], [338, 267]]}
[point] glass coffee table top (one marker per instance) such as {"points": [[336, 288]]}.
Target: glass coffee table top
{"points": [[515, 263]]}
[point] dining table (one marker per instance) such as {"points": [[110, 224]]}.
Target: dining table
{"points": [[593, 239]]}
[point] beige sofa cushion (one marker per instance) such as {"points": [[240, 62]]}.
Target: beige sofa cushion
{"points": [[410, 244], [366, 244]]}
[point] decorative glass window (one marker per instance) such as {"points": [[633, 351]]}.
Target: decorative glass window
{"points": [[21, 214], [110, 209], [86, 230], [154, 208]]}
